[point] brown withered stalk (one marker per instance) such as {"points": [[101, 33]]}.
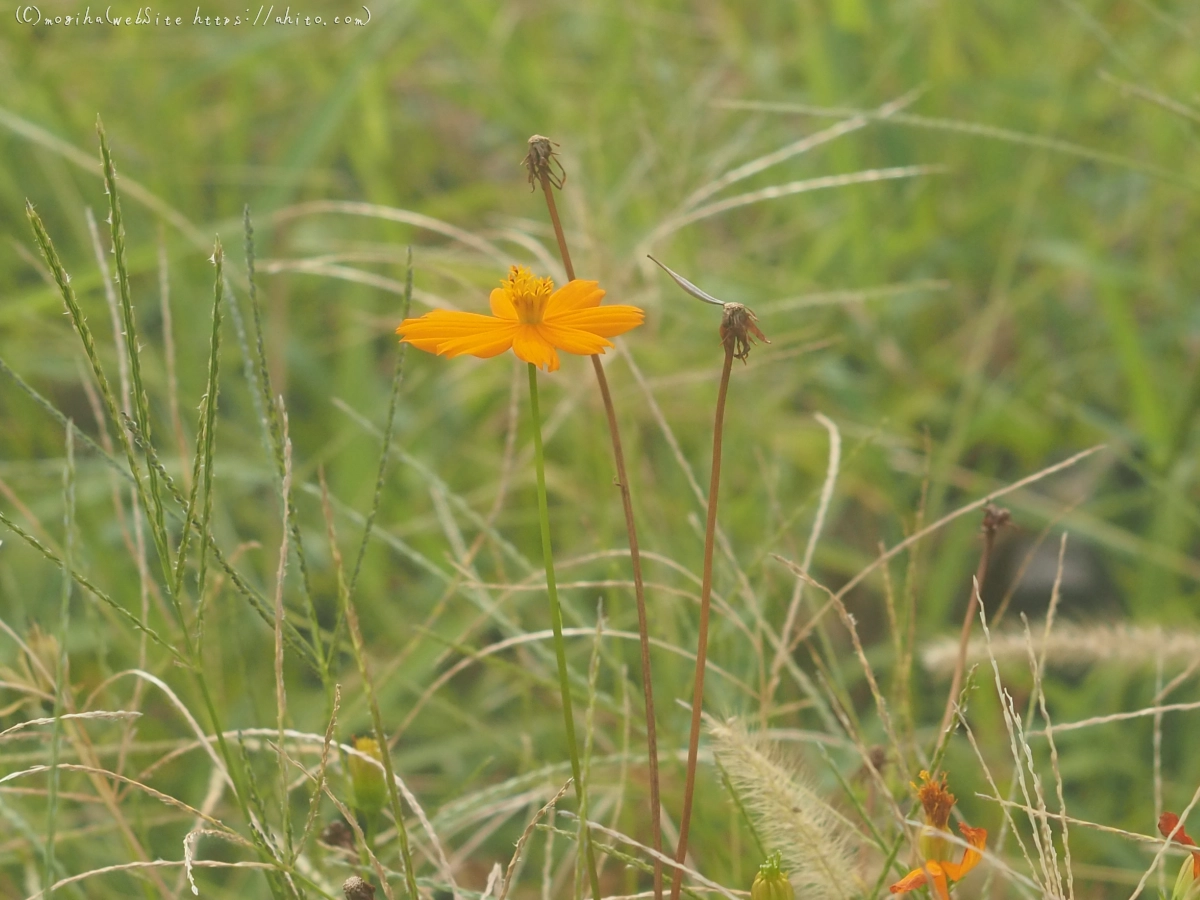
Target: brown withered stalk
{"points": [[994, 518], [738, 332], [545, 170]]}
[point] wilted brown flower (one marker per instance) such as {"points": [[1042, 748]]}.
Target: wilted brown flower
{"points": [[541, 162], [738, 329]]}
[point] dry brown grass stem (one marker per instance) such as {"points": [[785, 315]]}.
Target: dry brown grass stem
{"points": [[151, 865], [786, 644], [545, 635], [280, 574], [993, 520], [945, 520], [710, 528], [524, 838]]}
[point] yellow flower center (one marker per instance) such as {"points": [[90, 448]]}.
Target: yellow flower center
{"points": [[528, 294]]}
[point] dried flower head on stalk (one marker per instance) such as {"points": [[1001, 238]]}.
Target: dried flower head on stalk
{"points": [[542, 162], [738, 322], [738, 325]]}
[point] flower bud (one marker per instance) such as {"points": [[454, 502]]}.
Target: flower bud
{"points": [[772, 883], [1187, 885], [933, 844], [370, 789]]}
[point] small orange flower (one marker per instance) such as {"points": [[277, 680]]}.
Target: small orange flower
{"points": [[1166, 824], [937, 802], [530, 317]]}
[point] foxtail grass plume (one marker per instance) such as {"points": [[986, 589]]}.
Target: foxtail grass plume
{"points": [[530, 318], [1070, 646], [813, 839]]}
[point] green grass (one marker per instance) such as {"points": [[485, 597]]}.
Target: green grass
{"points": [[1025, 290]]}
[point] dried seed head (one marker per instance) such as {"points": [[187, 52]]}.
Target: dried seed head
{"points": [[356, 889], [542, 163], [738, 329], [995, 518], [338, 834]]}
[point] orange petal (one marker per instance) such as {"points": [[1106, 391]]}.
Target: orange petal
{"points": [[910, 882], [976, 838], [606, 321], [1166, 824], [501, 304], [530, 346], [485, 344], [574, 295], [573, 340], [444, 323], [918, 878]]}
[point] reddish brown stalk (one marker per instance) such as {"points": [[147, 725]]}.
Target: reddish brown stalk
{"points": [[994, 518], [540, 163], [710, 531]]}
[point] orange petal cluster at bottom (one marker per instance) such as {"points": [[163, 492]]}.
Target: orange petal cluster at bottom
{"points": [[942, 871]]}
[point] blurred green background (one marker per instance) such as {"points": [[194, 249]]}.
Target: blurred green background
{"points": [[1028, 292]]}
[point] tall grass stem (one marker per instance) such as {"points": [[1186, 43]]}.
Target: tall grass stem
{"points": [[710, 530], [61, 677], [993, 519]]}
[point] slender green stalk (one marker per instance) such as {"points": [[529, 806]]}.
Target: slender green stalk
{"points": [[564, 684], [385, 454], [128, 430], [358, 646], [264, 402], [710, 531], [129, 322], [544, 175], [203, 462], [60, 675]]}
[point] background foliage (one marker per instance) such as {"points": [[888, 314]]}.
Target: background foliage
{"points": [[1031, 294]]}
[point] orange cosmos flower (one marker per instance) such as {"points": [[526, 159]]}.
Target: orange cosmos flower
{"points": [[529, 316], [937, 802]]}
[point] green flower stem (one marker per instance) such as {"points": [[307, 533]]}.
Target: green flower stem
{"points": [[560, 652]]}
